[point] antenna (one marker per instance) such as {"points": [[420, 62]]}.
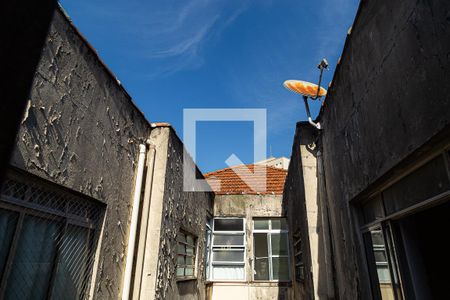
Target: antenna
{"points": [[309, 90]]}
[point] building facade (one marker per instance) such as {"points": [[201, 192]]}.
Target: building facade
{"points": [[376, 198], [250, 249], [276, 162]]}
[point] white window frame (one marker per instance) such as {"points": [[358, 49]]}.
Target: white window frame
{"points": [[208, 247], [239, 248], [269, 248]]}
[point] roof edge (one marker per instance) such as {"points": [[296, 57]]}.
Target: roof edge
{"points": [[102, 63], [338, 65], [230, 168]]}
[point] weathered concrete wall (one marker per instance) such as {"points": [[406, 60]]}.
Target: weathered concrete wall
{"points": [[81, 131], [295, 207], [249, 207], [389, 96], [179, 210]]}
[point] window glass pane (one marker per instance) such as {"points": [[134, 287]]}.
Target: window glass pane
{"points": [[383, 274], [190, 260], [181, 260], [181, 249], [377, 239], [186, 255], [33, 262], [180, 271], [229, 240], [279, 244], [224, 255], [228, 225], [260, 245], [380, 255], [280, 268], [261, 269], [228, 272], [382, 264], [425, 182], [8, 221], [70, 279], [279, 224], [181, 237], [261, 223]]}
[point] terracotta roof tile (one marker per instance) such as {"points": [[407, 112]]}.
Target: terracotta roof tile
{"points": [[226, 181]]}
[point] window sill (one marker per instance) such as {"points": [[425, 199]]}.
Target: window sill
{"points": [[256, 282], [277, 282], [184, 279], [226, 281]]}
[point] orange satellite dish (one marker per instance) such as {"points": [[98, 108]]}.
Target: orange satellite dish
{"points": [[305, 88]]}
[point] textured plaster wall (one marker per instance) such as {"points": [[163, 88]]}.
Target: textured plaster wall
{"points": [[181, 210], [389, 96], [80, 130]]}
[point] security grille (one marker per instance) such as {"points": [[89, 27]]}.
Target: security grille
{"points": [[48, 238]]}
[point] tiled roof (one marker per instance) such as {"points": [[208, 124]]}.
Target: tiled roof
{"points": [[226, 181]]}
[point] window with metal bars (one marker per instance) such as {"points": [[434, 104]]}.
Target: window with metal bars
{"points": [[186, 255], [298, 257], [49, 236]]}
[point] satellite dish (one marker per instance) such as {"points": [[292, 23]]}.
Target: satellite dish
{"points": [[305, 88], [309, 90]]}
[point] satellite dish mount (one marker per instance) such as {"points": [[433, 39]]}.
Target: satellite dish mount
{"points": [[309, 90]]}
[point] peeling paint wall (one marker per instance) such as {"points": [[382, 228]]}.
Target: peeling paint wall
{"points": [[80, 130], [181, 210], [390, 95]]}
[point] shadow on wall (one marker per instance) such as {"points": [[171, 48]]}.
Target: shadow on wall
{"points": [[304, 204]]}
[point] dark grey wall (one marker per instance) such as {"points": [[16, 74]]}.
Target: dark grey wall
{"points": [[181, 210], [389, 96], [81, 130]]}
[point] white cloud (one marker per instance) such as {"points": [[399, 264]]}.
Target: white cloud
{"points": [[169, 35]]}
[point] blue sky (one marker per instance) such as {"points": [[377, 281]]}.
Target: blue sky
{"points": [[172, 55]]}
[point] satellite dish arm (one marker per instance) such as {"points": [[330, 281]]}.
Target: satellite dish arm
{"points": [[308, 113], [318, 86], [322, 66]]}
